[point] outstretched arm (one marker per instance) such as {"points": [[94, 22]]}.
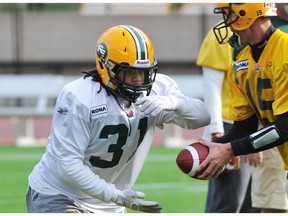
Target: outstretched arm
{"points": [[265, 138], [191, 112], [170, 105]]}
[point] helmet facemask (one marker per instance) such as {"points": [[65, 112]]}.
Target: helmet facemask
{"points": [[221, 29], [118, 77], [240, 16]]}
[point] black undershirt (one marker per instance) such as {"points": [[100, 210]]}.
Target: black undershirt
{"points": [[258, 48]]}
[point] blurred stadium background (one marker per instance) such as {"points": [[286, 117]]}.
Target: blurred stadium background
{"points": [[46, 45]]}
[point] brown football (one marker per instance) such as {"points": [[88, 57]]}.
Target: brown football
{"points": [[190, 157]]}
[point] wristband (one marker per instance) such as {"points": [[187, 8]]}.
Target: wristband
{"points": [[264, 136]]}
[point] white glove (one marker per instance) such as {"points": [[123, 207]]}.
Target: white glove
{"points": [[134, 200], [155, 104]]}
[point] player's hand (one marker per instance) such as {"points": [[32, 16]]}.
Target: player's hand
{"points": [[219, 155], [134, 200], [254, 159], [216, 135], [155, 104], [234, 163]]}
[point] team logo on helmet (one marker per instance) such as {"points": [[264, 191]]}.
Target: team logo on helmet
{"points": [[102, 50]]}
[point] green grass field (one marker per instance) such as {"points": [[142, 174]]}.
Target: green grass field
{"points": [[160, 180]]}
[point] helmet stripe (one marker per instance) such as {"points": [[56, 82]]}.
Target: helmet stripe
{"points": [[142, 52]]}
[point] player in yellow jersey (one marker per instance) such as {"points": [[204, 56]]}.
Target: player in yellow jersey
{"points": [[258, 85], [268, 185], [269, 179], [231, 191]]}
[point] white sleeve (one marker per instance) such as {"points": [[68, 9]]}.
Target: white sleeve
{"points": [[212, 85], [193, 111], [189, 113]]}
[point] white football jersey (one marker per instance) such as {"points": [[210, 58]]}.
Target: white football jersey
{"points": [[96, 144]]}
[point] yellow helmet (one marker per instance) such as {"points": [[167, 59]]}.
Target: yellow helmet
{"points": [[125, 48], [240, 16]]}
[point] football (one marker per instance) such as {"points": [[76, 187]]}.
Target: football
{"points": [[190, 157]]}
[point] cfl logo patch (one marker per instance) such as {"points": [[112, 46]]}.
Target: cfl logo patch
{"points": [[99, 110]]}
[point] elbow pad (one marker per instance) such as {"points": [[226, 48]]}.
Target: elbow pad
{"points": [[264, 136]]}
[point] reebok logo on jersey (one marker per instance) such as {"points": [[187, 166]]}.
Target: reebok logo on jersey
{"points": [[99, 110], [63, 110], [242, 65]]}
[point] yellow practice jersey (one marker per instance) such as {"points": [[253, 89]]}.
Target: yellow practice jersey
{"points": [[261, 87], [219, 57]]}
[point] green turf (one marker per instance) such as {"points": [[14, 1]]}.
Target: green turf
{"points": [[160, 180], [15, 165]]}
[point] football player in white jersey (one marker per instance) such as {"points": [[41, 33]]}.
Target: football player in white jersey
{"points": [[103, 127]]}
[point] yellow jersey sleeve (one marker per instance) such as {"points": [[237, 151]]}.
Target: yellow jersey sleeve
{"points": [[214, 55]]}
